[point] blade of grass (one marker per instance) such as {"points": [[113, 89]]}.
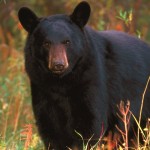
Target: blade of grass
{"points": [[143, 97], [139, 127]]}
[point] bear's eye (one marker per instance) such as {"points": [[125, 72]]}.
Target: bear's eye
{"points": [[46, 44], [66, 42]]}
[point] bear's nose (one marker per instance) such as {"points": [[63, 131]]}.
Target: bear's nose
{"points": [[58, 67]]}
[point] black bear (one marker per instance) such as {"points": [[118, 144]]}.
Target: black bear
{"points": [[78, 76]]}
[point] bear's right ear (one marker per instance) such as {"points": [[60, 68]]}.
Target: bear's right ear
{"points": [[28, 19], [81, 14]]}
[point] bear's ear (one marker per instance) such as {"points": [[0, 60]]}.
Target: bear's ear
{"points": [[28, 19], [81, 14]]}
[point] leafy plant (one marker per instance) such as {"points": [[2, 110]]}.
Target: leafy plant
{"points": [[126, 16]]}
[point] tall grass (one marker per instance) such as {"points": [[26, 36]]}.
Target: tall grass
{"points": [[15, 103]]}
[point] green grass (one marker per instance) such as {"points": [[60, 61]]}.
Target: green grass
{"points": [[15, 107]]}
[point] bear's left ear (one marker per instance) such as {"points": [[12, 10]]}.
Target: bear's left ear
{"points": [[81, 14]]}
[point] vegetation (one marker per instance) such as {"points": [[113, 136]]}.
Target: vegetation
{"points": [[17, 125]]}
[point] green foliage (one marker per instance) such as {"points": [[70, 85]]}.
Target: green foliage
{"points": [[138, 33], [86, 144], [126, 16]]}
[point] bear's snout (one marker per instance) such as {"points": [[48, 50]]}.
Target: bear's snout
{"points": [[58, 61]]}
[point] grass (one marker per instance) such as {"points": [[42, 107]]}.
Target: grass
{"points": [[17, 129]]}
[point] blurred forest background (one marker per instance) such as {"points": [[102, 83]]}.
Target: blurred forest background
{"points": [[17, 125]]}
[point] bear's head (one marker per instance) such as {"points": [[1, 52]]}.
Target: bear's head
{"points": [[57, 41]]}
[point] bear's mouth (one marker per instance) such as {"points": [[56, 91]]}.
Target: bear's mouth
{"points": [[59, 72]]}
